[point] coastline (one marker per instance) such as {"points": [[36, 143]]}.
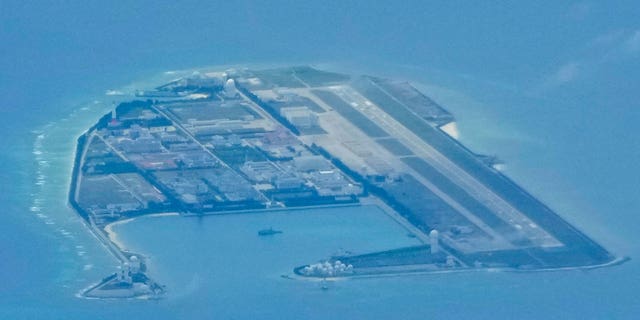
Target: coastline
{"points": [[109, 237], [431, 270], [79, 143], [113, 235]]}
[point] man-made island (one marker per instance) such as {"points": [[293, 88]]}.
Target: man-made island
{"points": [[240, 140]]}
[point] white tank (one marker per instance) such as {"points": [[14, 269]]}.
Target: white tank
{"points": [[433, 241], [230, 88]]}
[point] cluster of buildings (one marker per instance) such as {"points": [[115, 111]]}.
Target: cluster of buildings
{"points": [[129, 281], [303, 137], [327, 269], [219, 152]]}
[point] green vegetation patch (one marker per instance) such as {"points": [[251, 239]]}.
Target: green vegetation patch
{"points": [[213, 111], [317, 78]]}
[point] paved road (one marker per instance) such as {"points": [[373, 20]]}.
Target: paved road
{"points": [[459, 176]]}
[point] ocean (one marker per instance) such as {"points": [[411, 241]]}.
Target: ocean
{"points": [[551, 89]]}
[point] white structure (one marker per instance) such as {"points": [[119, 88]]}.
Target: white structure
{"points": [[450, 262], [230, 88], [124, 274], [433, 241], [327, 269], [300, 116], [134, 264], [128, 269]]}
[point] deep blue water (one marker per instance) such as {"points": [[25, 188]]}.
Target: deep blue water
{"points": [[549, 87]]}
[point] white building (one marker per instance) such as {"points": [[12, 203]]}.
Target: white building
{"points": [[230, 89], [433, 241], [300, 116]]}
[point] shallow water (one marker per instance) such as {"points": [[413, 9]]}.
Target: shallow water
{"points": [[219, 264], [573, 143]]}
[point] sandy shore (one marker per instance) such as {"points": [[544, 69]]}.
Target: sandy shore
{"points": [[451, 129], [113, 236]]}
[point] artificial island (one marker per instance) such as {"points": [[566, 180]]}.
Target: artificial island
{"points": [[248, 140]]}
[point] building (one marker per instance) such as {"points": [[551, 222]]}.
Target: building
{"points": [[300, 117], [230, 90], [433, 241], [311, 163]]}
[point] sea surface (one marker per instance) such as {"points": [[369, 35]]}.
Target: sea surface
{"points": [[549, 88]]}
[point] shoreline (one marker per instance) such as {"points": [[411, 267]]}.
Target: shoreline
{"points": [[270, 210], [443, 134], [113, 235], [426, 270], [417, 270]]}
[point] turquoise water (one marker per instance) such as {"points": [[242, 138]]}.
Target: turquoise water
{"points": [[549, 87], [218, 265], [221, 262]]}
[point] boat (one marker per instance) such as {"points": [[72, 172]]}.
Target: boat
{"points": [[268, 232]]}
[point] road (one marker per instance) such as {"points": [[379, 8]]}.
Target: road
{"points": [[184, 130], [341, 129], [476, 189]]}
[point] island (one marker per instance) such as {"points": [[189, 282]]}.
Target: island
{"points": [[244, 140]]}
